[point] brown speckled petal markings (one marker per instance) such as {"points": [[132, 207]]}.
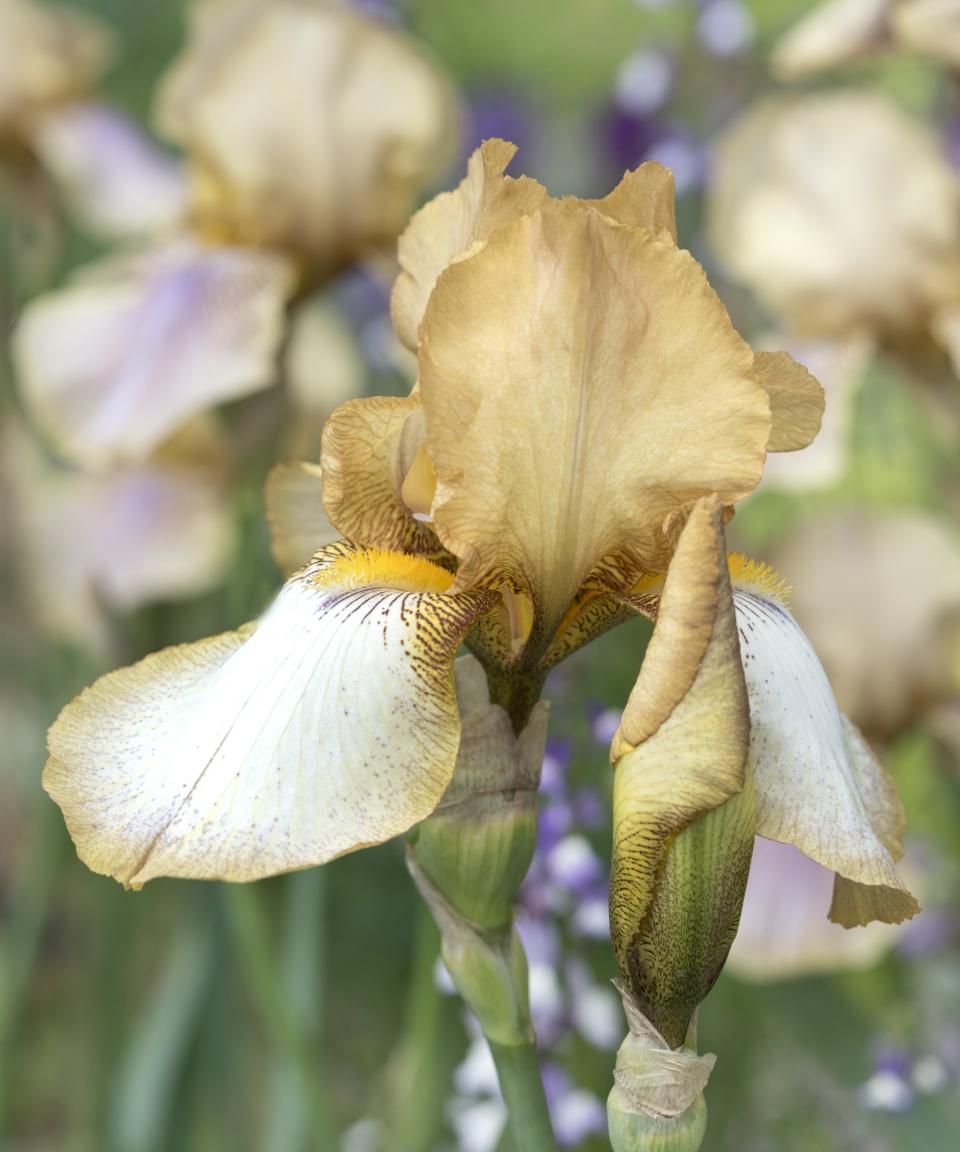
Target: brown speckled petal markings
{"points": [[330, 725]]}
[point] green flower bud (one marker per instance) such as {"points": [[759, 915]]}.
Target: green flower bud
{"points": [[489, 969], [477, 846], [679, 950]]}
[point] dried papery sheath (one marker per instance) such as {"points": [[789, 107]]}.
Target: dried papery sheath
{"points": [[657, 1099]]}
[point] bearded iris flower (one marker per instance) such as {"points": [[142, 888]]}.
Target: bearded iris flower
{"points": [[580, 388], [584, 420], [291, 173]]}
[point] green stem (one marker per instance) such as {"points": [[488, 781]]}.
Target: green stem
{"points": [[518, 1068]]}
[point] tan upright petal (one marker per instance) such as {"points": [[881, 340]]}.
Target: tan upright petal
{"points": [[450, 223], [929, 26], [831, 34], [796, 401], [838, 365], [818, 786], [299, 524], [49, 53], [310, 126], [644, 198], [369, 448], [812, 239], [681, 753], [330, 725], [581, 383], [112, 364]]}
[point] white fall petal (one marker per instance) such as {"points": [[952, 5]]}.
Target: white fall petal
{"points": [[113, 364], [818, 786], [114, 178], [330, 725], [784, 931]]}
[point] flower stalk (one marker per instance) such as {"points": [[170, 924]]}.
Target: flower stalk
{"points": [[468, 861]]}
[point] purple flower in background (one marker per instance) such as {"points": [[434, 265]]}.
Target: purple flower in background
{"points": [[725, 27], [498, 112]]}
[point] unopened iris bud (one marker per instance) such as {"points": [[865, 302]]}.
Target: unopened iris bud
{"points": [[683, 801], [476, 848]]}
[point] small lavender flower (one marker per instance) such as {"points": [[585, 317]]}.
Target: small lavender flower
{"points": [[725, 27]]}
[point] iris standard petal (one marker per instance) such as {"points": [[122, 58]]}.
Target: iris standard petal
{"points": [[581, 382], [796, 401], [309, 127], [370, 447], [451, 223], [831, 34], [330, 725], [299, 524]]}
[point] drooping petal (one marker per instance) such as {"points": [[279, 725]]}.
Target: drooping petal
{"points": [[831, 34], [299, 524], [796, 401], [369, 448], [680, 754], [137, 535], [581, 383], [330, 725], [115, 180], [112, 364], [784, 931], [310, 127], [450, 223], [818, 786]]}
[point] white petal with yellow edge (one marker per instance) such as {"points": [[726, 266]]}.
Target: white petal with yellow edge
{"points": [[330, 725], [818, 786]]}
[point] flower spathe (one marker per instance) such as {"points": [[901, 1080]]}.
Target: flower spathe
{"points": [[329, 725]]}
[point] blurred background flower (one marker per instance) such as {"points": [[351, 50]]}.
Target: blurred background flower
{"points": [[178, 280]]}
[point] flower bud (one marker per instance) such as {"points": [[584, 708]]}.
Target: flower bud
{"points": [[476, 848], [679, 951], [489, 969]]}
